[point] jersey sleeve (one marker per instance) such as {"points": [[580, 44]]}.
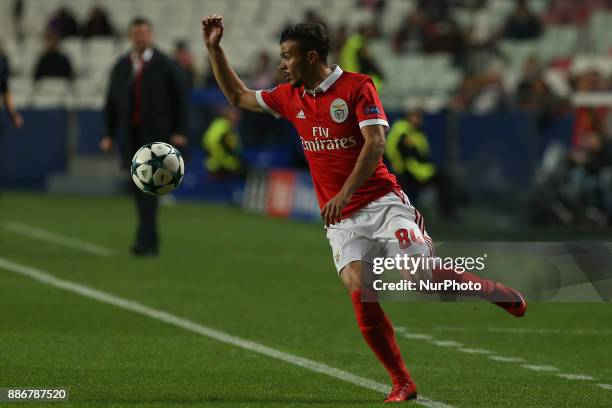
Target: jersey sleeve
{"points": [[368, 107], [272, 100]]}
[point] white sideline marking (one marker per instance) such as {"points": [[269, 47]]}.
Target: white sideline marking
{"points": [[576, 377], [540, 367], [487, 353], [475, 351], [53, 238], [520, 330], [189, 325], [506, 359], [446, 343], [417, 336]]}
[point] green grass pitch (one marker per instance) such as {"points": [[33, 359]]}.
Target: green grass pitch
{"points": [[270, 281]]}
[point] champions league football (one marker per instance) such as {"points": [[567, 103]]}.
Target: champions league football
{"points": [[157, 168]]}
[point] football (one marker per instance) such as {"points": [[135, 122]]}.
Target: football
{"points": [[157, 168]]}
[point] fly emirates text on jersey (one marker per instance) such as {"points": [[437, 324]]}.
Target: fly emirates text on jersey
{"points": [[323, 142]]}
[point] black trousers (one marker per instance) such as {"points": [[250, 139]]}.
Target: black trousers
{"points": [[146, 209], [146, 204]]}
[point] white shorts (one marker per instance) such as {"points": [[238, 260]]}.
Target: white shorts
{"points": [[385, 227]]}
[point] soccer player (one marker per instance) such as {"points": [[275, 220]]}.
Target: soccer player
{"points": [[341, 124]]}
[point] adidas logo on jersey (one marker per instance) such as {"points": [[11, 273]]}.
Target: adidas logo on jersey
{"points": [[300, 115]]}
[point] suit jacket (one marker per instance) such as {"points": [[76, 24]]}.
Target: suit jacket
{"points": [[162, 108]]}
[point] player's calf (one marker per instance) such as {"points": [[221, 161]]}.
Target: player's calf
{"points": [[375, 326]]}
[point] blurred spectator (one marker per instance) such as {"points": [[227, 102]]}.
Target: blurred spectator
{"points": [[445, 36], [63, 23], [264, 72], [97, 24], [589, 186], [575, 187], [410, 33], [491, 95], [435, 10], [531, 71], [463, 96], [540, 100], [522, 24], [222, 145], [534, 95], [378, 8], [430, 28], [184, 59], [471, 5], [408, 152], [589, 119], [18, 11], [337, 41], [355, 56], [588, 81], [52, 62], [481, 93], [575, 12]]}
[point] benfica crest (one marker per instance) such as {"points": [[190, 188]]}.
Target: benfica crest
{"points": [[339, 110]]}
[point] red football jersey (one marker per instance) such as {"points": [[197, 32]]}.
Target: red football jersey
{"points": [[329, 121]]}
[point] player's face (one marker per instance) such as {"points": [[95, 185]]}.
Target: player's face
{"points": [[141, 37], [292, 63]]}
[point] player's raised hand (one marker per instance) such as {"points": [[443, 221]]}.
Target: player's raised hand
{"points": [[212, 30]]}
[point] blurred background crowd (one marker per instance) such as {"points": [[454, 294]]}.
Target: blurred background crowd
{"points": [[501, 103]]}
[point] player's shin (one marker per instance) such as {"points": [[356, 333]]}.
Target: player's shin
{"points": [[378, 332]]}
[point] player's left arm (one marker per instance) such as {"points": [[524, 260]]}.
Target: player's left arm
{"points": [[369, 157]]}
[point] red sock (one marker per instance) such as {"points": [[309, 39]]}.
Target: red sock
{"points": [[489, 289], [378, 332]]}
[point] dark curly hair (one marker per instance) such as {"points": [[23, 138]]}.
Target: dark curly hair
{"points": [[309, 36]]}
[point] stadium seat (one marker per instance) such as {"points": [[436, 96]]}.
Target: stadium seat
{"points": [[21, 90], [558, 42], [74, 50], [49, 93], [599, 31]]}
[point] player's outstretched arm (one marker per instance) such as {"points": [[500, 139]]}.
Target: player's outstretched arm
{"points": [[232, 86]]}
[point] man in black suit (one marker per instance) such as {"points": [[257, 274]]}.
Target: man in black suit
{"points": [[146, 96]]}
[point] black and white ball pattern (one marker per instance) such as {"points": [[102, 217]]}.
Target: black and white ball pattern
{"points": [[157, 168]]}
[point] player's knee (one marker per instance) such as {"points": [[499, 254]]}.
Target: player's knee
{"points": [[351, 276]]}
